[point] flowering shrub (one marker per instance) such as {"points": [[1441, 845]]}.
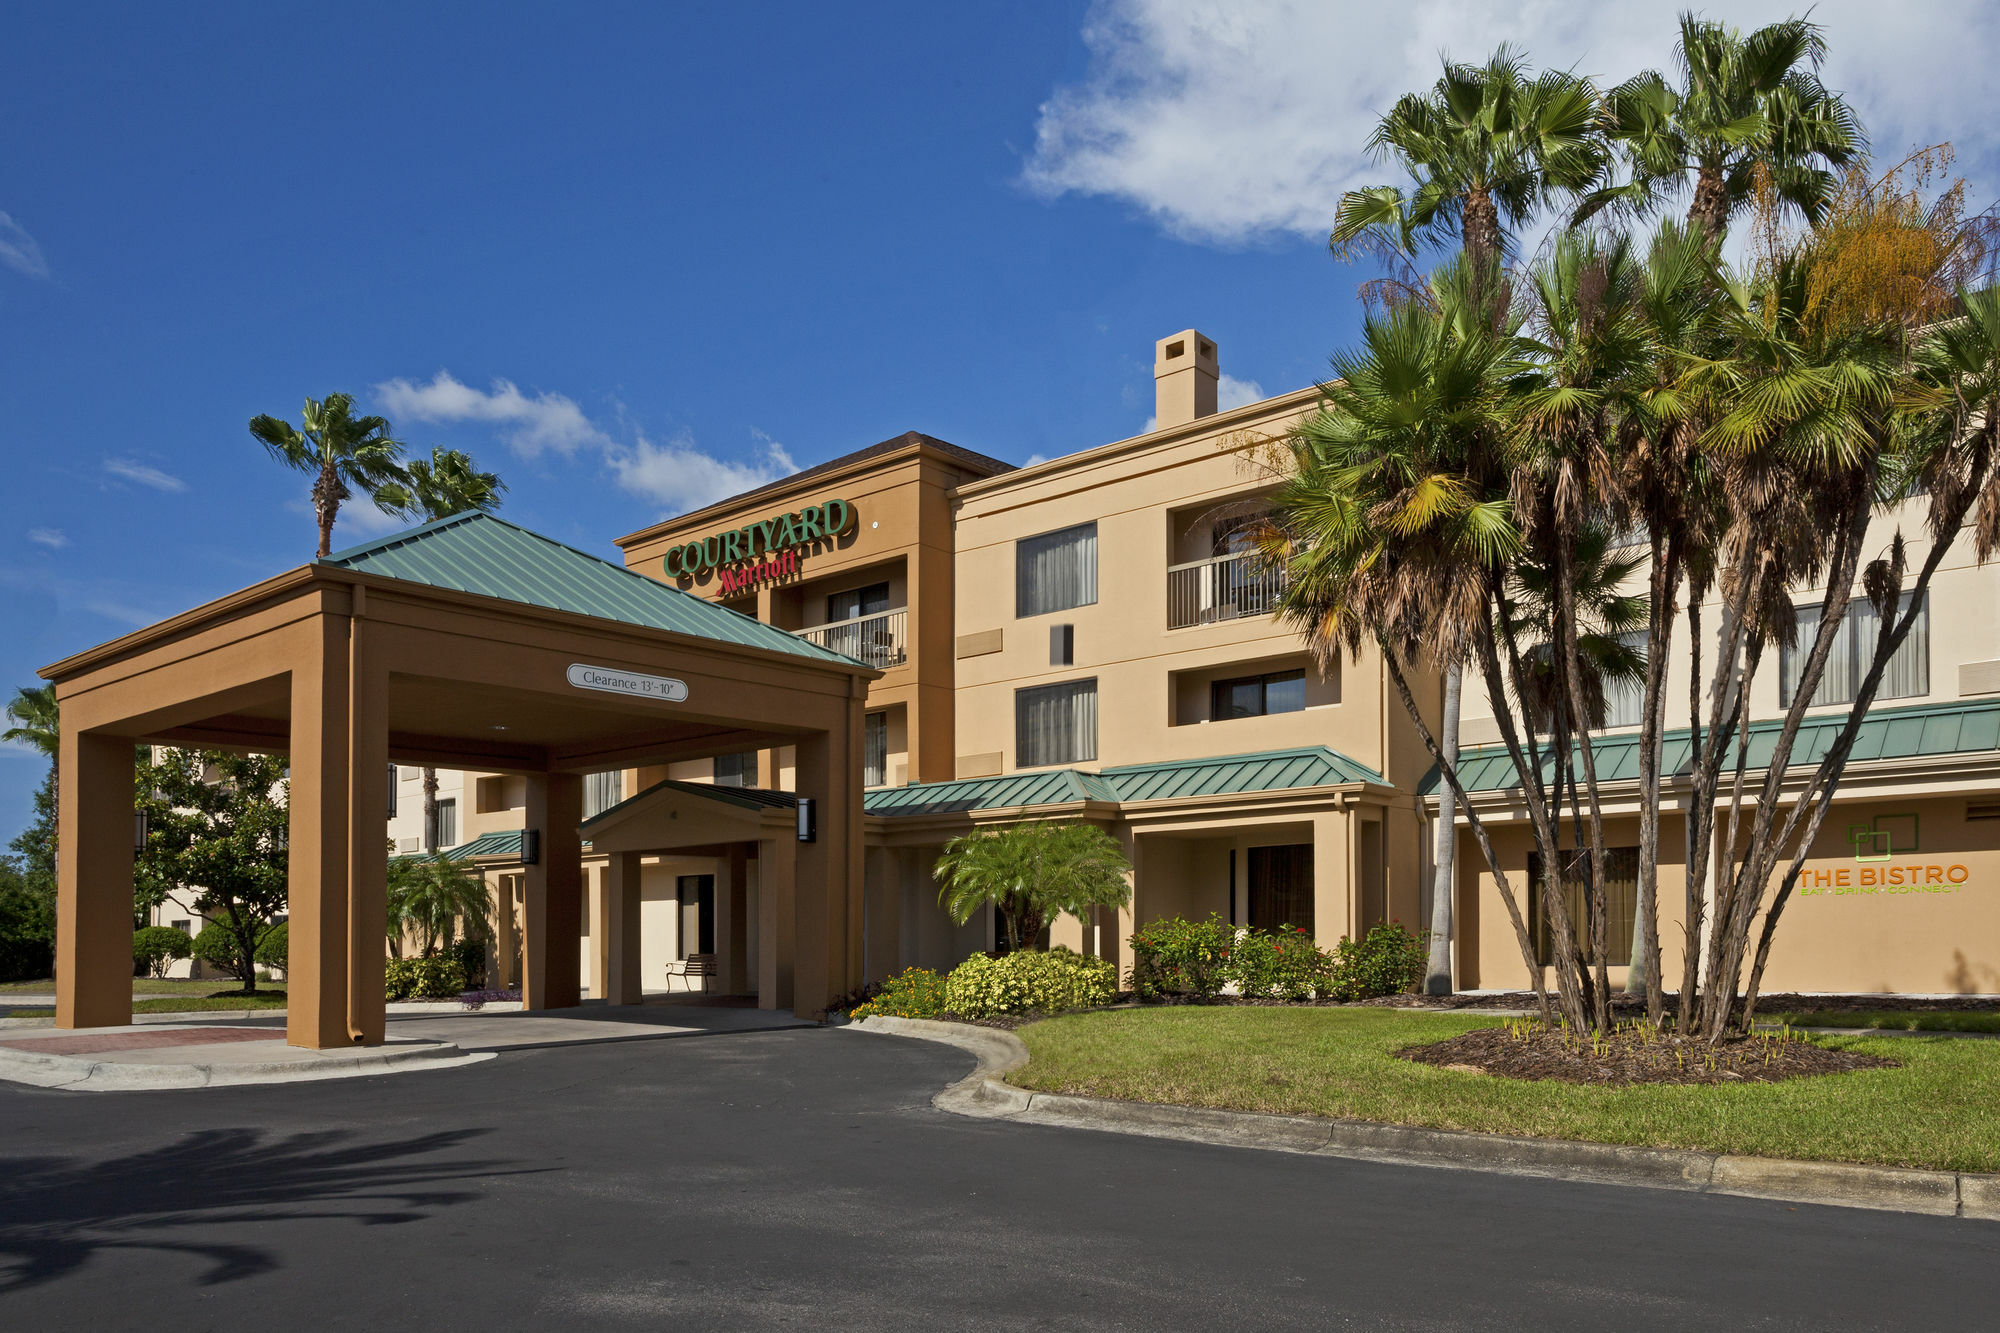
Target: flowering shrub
{"points": [[1176, 959], [1047, 981], [1283, 964], [1388, 960], [915, 992], [423, 979]]}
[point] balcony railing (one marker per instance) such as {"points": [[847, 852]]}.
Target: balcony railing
{"points": [[1225, 587], [878, 640]]}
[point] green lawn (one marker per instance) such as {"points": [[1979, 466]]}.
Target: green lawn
{"points": [[1892, 1019], [140, 986], [1940, 1110], [190, 1004]]}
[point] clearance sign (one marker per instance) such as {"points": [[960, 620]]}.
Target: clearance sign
{"points": [[746, 556]]}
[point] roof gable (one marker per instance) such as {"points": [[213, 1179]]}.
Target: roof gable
{"points": [[490, 557]]}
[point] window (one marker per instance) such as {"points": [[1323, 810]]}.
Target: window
{"points": [[444, 833], [1621, 903], [1907, 675], [1281, 887], [1055, 724], [857, 602], [184, 927], [696, 894], [736, 770], [875, 750], [1056, 571], [601, 791], [1625, 698], [1254, 696]]}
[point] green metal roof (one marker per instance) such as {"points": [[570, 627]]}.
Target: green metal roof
{"points": [[1886, 733], [749, 798], [1271, 770], [490, 557]]}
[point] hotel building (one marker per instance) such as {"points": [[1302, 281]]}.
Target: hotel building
{"points": [[1087, 638]]}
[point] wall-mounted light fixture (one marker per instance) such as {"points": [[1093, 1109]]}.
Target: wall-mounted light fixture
{"points": [[531, 847], [139, 831], [808, 821]]}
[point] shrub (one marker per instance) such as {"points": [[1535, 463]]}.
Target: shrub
{"points": [[470, 955], [27, 935], [217, 946], [1388, 960], [1029, 981], [915, 992], [155, 947], [423, 979], [1283, 964], [272, 948], [1182, 960]]}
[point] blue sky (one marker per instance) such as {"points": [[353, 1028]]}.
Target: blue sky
{"points": [[635, 257]]}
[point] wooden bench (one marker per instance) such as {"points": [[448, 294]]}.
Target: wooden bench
{"points": [[694, 965]]}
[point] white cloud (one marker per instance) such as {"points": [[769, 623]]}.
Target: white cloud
{"points": [[123, 613], [19, 251], [548, 421], [52, 538], [681, 477], [1231, 121], [133, 471], [1232, 392]]}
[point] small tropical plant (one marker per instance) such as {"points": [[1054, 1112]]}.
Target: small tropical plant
{"points": [[1032, 872], [915, 992], [436, 898], [1050, 981]]}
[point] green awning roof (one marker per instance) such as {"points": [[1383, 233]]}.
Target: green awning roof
{"points": [[748, 798], [490, 557], [1271, 770], [1886, 733]]}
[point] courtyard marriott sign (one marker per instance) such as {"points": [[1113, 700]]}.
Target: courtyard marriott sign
{"points": [[755, 552]]}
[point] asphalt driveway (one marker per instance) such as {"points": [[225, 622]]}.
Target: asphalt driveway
{"points": [[800, 1178]]}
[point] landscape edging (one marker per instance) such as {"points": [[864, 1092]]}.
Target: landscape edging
{"points": [[984, 1093]]}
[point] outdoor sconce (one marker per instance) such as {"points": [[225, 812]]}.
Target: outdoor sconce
{"points": [[808, 825], [531, 847], [138, 834]]}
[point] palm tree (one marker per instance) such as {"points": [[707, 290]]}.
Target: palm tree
{"points": [[1487, 146], [1032, 872], [446, 483], [343, 452], [33, 712], [1744, 107], [436, 897]]}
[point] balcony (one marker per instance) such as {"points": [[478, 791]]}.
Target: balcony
{"points": [[879, 640], [1224, 587]]}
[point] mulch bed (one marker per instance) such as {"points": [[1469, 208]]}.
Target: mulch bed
{"points": [[1631, 1057]]}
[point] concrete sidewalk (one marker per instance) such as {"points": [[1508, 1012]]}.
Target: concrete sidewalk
{"points": [[197, 1052]]}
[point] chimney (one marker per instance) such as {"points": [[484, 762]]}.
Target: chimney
{"points": [[1184, 376]]}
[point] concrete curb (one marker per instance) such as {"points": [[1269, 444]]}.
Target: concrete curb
{"points": [[983, 1093], [72, 1073]]}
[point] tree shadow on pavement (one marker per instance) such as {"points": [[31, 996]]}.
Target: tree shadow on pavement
{"points": [[57, 1212]]}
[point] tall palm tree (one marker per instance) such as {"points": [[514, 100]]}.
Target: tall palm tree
{"points": [[343, 453], [33, 712], [1486, 146], [444, 484], [1744, 105]]}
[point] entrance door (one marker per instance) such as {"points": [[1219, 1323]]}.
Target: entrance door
{"points": [[697, 895], [1281, 887]]}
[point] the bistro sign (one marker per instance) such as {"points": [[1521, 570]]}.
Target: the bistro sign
{"points": [[755, 552], [612, 681]]}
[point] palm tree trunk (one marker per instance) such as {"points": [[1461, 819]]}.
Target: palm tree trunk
{"points": [[430, 809], [1438, 980], [1710, 209]]}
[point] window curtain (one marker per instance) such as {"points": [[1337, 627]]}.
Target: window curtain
{"points": [[601, 791], [1055, 724], [1056, 571], [1625, 700], [875, 747], [1281, 887], [1621, 903], [1907, 676]]}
